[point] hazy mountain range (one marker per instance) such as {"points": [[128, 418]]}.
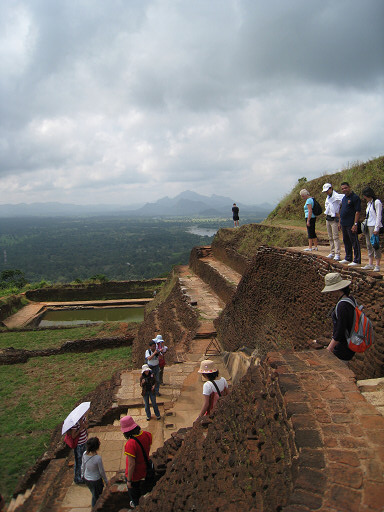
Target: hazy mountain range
{"points": [[185, 204]]}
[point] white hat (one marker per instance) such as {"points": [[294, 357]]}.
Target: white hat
{"points": [[145, 368], [334, 282], [158, 339], [326, 187]]}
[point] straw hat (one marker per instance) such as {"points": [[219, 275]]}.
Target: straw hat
{"points": [[127, 424], [207, 366], [334, 282]]}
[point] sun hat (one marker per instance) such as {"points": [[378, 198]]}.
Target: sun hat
{"points": [[334, 282], [207, 366], [326, 187], [158, 339], [127, 424], [145, 368]]}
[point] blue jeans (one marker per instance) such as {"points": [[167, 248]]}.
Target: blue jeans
{"points": [[156, 372], [79, 450], [154, 405], [96, 488]]}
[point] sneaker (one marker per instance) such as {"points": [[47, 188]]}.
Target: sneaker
{"points": [[376, 269], [131, 504], [149, 419], [353, 264], [315, 249], [345, 261], [368, 267], [337, 257], [331, 256], [308, 249], [158, 417]]}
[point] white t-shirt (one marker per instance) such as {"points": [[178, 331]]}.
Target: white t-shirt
{"points": [[154, 361], [209, 388]]}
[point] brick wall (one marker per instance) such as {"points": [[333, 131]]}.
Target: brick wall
{"points": [[294, 435], [223, 288], [279, 304], [174, 319]]}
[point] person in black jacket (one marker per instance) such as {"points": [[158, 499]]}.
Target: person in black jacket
{"points": [[342, 315]]}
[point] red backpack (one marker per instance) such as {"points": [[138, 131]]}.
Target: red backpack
{"points": [[361, 335]]}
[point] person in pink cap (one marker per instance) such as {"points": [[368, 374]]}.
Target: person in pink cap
{"points": [[213, 389], [136, 467]]}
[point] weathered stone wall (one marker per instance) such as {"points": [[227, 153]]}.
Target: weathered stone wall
{"points": [[223, 288], [279, 304], [106, 291], [294, 435], [228, 254], [174, 319], [9, 305]]}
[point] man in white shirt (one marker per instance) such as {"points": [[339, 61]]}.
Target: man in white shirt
{"points": [[332, 209]]}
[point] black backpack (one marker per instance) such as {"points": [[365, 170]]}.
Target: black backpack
{"points": [[317, 209]]}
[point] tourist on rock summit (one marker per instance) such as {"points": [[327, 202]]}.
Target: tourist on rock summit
{"points": [[213, 389], [332, 209], [349, 218], [342, 315], [310, 220], [138, 442], [92, 469], [162, 348], [148, 383], [373, 221], [235, 213], [152, 359]]}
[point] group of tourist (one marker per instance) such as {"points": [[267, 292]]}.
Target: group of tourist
{"points": [[89, 467], [342, 213]]}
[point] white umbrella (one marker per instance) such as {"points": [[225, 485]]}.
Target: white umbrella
{"points": [[74, 416]]}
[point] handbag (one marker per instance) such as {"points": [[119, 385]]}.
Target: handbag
{"points": [[375, 242], [364, 227], [150, 477], [70, 441]]}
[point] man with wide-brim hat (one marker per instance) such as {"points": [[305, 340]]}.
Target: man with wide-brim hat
{"points": [[136, 467], [342, 315]]}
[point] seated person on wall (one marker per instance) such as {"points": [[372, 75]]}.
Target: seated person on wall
{"points": [[342, 315]]}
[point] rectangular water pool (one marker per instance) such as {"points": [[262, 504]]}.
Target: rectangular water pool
{"points": [[64, 317]]}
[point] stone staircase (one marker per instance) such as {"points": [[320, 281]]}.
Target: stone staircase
{"points": [[179, 403]]}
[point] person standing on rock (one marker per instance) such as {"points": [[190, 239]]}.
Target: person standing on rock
{"points": [[310, 220], [342, 315], [349, 218], [162, 348], [92, 469], [213, 389], [152, 359], [374, 223], [332, 216], [148, 383], [235, 213], [138, 441]]}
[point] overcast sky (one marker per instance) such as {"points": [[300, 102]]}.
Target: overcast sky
{"points": [[126, 101]]}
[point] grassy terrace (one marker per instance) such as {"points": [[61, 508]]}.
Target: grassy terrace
{"points": [[51, 338], [39, 394]]}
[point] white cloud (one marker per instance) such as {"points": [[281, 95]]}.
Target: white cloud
{"points": [[119, 101]]}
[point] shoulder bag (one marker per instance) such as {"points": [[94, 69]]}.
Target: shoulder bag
{"points": [[150, 477]]}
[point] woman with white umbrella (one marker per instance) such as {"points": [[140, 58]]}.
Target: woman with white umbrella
{"points": [[75, 427]]}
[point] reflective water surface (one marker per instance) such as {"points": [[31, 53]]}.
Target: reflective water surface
{"points": [[84, 316]]}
